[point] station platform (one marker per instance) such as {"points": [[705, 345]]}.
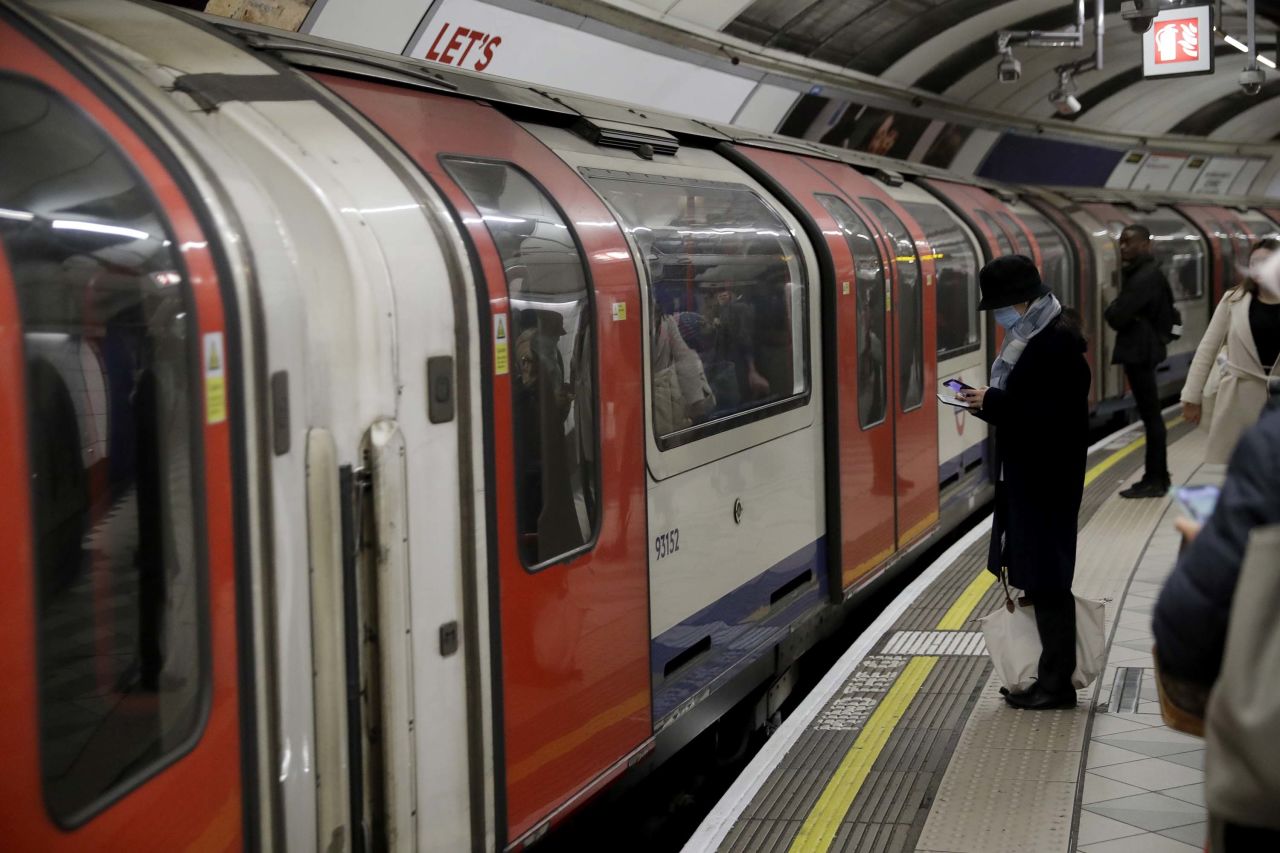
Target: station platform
{"points": [[907, 744]]}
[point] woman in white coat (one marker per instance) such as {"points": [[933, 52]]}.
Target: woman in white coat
{"points": [[1238, 352]]}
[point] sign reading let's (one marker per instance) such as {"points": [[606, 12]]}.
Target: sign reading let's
{"points": [[1179, 43]]}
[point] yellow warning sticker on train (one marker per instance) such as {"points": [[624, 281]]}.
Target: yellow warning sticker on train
{"points": [[619, 311], [500, 359], [215, 379], [846, 288]]}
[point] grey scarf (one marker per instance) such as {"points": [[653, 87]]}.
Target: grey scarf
{"points": [[1032, 323]]}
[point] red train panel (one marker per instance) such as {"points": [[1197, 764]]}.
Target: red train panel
{"points": [[150, 804], [563, 726], [915, 426]]}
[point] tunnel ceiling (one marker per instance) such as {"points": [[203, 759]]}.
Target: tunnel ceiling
{"points": [[948, 47]]}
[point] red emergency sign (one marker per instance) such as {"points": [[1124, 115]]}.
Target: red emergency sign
{"points": [[1177, 40]]}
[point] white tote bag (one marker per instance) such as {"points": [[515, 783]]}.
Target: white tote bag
{"points": [[1014, 643]]}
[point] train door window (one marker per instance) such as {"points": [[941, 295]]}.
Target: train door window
{"points": [[1057, 263], [1259, 226], [1019, 236], [1003, 246], [728, 322], [873, 369], [1227, 250], [957, 277], [110, 351], [910, 306], [1180, 252], [553, 354]]}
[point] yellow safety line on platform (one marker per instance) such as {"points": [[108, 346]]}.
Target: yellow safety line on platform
{"points": [[1098, 470], [820, 827], [960, 611], [823, 821]]}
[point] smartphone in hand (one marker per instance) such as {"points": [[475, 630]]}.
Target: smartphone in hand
{"points": [[956, 385], [1197, 502]]}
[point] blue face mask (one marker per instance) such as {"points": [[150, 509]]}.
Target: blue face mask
{"points": [[1007, 316]]}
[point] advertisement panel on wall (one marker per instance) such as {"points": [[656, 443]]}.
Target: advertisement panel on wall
{"points": [[1157, 172], [1179, 43], [482, 37]]}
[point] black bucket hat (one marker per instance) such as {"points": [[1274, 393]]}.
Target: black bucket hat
{"points": [[1008, 280]]}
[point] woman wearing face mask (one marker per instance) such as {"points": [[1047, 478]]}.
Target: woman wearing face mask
{"points": [[1239, 352], [1038, 402]]}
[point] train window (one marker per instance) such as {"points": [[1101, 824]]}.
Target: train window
{"points": [[1179, 250], [108, 339], [957, 276], [1019, 236], [1227, 249], [1003, 246], [1258, 226], [553, 350], [728, 318], [910, 306], [873, 369], [1057, 263]]}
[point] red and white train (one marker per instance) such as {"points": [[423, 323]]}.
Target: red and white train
{"points": [[399, 456]]}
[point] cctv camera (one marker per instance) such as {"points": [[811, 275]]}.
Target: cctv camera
{"points": [[1251, 80], [1009, 69], [1140, 14], [1065, 104]]}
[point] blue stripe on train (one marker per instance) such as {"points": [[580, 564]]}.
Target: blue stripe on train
{"points": [[741, 626]]}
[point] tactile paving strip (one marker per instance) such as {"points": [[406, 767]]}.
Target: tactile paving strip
{"points": [[892, 806]]}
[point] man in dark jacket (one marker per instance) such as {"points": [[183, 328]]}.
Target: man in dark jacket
{"points": [[1135, 315], [1190, 619], [1039, 404]]}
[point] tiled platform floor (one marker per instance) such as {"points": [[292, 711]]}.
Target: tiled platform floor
{"points": [[1144, 783]]}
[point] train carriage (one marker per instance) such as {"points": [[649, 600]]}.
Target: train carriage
{"points": [[404, 456]]}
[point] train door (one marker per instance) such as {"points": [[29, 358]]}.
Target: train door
{"points": [[560, 321], [857, 342], [1220, 228], [910, 310], [961, 338], [118, 641]]}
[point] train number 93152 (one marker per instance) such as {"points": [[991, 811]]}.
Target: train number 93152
{"points": [[666, 544]]}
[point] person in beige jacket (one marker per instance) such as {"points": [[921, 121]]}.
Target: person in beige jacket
{"points": [[1238, 353]]}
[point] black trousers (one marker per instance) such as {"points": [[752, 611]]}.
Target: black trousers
{"points": [[1056, 625], [1142, 381]]}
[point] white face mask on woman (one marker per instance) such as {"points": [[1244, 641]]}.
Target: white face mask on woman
{"points": [[1007, 316], [1266, 272]]}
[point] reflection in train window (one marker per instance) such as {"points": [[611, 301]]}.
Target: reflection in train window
{"points": [[1227, 250], [910, 307], [1057, 262], [727, 321], [552, 356], [108, 339], [1179, 250], [1258, 226], [1003, 246], [1019, 236], [873, 370], [957, 278]]}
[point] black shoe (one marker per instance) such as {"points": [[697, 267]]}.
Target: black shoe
{"points": [[1146, 489], [1039, 699]]}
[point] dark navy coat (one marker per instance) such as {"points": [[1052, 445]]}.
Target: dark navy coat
{"points": [[1190, 619], [1041, 420]]}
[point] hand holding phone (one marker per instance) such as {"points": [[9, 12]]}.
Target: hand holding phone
{"points": [[1197, 502], [956, 385]]}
